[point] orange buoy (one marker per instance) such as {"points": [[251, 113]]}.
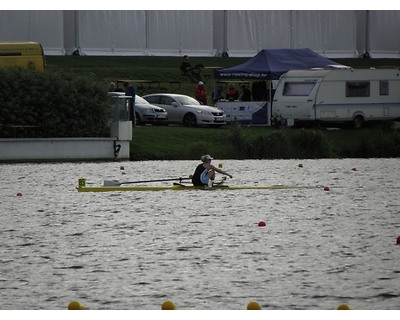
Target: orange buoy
{"points": [[262, 224]]}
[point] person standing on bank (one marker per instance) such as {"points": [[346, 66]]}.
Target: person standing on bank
{"points": [[131, 91], [246, 93], [200, 93], [232, 94], [204, 174]]}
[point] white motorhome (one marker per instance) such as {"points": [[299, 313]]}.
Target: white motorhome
{"points": [[338, 95]]}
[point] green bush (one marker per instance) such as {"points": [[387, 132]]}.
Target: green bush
{"points": [[61, 104], [240, 140], [306, 143], [271, 146], [196, 148], [385, 144], [176, 142], [279, 144]]}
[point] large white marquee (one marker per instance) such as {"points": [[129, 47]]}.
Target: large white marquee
{"points": [[240, 33]]}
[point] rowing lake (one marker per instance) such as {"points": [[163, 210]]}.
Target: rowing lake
{"points": [[202, 249]]}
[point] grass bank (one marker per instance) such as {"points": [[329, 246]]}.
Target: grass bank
{"points": [[246, 142]]}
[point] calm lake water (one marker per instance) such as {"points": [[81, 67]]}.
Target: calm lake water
{"points": [[202, 249]]}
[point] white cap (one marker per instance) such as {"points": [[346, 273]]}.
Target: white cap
{"points": [[206, 157]]}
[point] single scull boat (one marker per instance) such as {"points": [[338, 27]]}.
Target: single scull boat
{"points": [[176, 186]]}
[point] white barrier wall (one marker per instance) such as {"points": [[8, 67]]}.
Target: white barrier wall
{"points": [[63, 149]]}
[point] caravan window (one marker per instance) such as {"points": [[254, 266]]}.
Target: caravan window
{"points": [[298, 88], [357, 89], [383, 88]]}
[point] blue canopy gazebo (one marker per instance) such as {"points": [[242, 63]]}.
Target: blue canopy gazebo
{"points": [[270, 64]]}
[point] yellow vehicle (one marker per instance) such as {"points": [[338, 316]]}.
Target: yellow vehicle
{"points": [[27, 55]]}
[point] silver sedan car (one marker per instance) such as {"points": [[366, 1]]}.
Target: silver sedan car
{"points": [[145, 113], [187, 110]]}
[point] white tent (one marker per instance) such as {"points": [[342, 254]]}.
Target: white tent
{"points": [[343, 33], [330, 33], [45, 27], [111, 32], [161, 33], [382, 34]]}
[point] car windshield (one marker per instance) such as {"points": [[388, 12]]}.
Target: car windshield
{"points": [[140, 100], [185, 100]]}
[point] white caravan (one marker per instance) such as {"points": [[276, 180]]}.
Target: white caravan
{"points": [[338, 95]]}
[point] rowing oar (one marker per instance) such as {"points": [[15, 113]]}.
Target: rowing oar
{"points": [[108, 183]]}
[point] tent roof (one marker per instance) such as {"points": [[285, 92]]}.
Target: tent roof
{"points": [[272, 63]]}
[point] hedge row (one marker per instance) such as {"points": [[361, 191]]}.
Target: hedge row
{"points": [[57, 104], [312, 144]]}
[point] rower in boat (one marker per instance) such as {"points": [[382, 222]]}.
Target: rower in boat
{"points": [[204, 174]]}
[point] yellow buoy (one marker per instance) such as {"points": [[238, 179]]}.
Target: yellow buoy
{"points": [[253, 306], [343, 307], [220, 165], [76, 305], [168, 305]]}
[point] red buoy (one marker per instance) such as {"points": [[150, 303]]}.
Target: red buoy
{"points": [[354, 169], [262, 224], [19, 194], [398, 240], [326, 189]]}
